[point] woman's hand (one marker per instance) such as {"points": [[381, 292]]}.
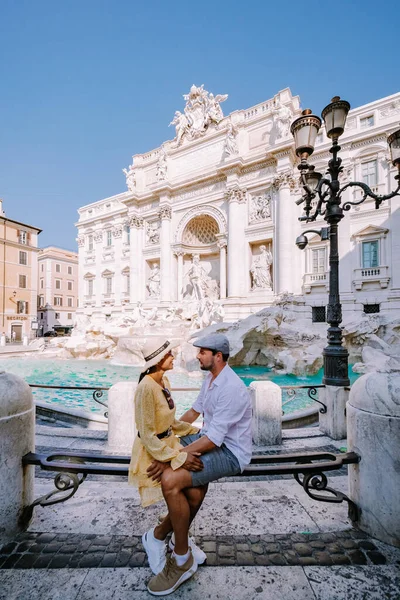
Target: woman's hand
{"points": [[192, 462], [156, 469]]}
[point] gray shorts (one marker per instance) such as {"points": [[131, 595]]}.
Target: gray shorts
{"points": [[218, 463]]}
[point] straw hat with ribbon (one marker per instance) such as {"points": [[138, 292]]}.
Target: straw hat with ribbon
{"points": [[155, 349]]}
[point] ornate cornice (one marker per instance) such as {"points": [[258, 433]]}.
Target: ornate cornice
{"points": [[284, 180], [165, 212]]}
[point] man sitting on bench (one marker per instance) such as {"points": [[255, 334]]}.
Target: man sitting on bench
{"points": [[225, 446]]}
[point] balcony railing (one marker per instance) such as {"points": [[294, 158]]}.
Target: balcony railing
{"points": [[315, 279], [371, 275]]}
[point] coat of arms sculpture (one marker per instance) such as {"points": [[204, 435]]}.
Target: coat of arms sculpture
{"points": [[201, 110]]}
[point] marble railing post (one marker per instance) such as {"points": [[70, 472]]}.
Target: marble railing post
{"points": [[267, 413], [284, 245], [121, 417], [236, 242], [165, 247], [373, 425], [136, 225], [17, 437]]}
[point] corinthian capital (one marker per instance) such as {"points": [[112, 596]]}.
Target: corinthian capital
{"points": [[285, 180], [81, 241], [98, 236], [117, 231], [236, 194], [165, 212], [136, 221]]}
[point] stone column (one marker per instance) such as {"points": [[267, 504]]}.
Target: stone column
{"points": [[237, 220], [165, 247], [118, 287], [17, 437], [98, 287], [179, 254], [136, 225], [284, 239], [81, 271], [373, 424], [222, 243], [333, 422], [267, 413]]}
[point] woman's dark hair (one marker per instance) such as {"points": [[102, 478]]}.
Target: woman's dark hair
{"points": [[149, 370]]}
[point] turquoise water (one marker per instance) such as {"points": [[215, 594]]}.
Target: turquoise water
{"points": [[103, 374]]}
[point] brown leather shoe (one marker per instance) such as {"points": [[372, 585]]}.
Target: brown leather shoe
{"points": [[172, 576]]}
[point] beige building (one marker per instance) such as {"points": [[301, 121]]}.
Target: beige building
{"points": [[57, 289], [18, 278]]}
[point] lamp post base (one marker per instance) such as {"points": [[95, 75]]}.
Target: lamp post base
{"points": [[336, 359]]}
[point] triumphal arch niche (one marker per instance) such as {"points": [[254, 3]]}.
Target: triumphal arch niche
{"points": [[201, 251]]}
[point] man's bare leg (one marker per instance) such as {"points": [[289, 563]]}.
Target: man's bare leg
{"points": [[195, 497]]}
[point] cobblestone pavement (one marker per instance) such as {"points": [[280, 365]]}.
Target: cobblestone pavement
{"points": [[49, 550]]}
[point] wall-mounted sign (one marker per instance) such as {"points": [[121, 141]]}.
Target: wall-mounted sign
{"points": [[17, 318]]}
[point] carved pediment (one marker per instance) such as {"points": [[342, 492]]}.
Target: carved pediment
{"points": [[370, 230], [89, 275], [107, 273]]}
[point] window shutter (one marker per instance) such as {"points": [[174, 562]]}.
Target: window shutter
{"points": [[27, 308]]}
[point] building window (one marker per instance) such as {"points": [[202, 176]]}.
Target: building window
{"points": [[41, 284], [23, 257], [318, 260], [370, 254], [23, 237], [90, 243], [69, 270], [22, 281], [69, 316], [318, 314], [70, 302], [22, 307], [369, 309], [41, 316], [58, 268], [369, 172], [109, 285], [58, 316], [58, 284], [127, 283], [366, 122], [42, 267], [57, 301], [70, 286], [90, 287], [127, 234], [109, 237], [40, 301]]}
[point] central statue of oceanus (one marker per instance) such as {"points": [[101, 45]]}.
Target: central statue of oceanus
{"points": [[201, 110]]}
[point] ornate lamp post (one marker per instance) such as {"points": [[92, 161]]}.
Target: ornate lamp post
{"points": [[328, 194]]}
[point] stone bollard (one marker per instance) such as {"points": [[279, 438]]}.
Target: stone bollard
{"points": [[373, 424], [267, 413], [25, 340], [3, 340], [17, 437], [333, 422], [121, 417]]}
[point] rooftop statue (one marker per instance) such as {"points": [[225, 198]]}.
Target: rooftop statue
{"points": [[202, 109]]}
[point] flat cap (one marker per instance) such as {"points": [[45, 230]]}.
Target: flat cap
{"points": [[214, 341]]}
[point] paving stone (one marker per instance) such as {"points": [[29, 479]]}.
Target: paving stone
{"points": [[244, 558], [340, 559], [357, 557], [306, 561], [46, 538], [226, 560], [9, 548], [108, 559], [132, 543], [366, 545], [209, 547], [52, 548], [212, 559], [226, 550], [74, 560], [68, 548], [37, 548], [138, 559], [317, 544], [84, 545], [291, 557], [334, 548], [257, 548], [277, 559], [348, 544], [358, 535], [96, 548], [90, 561], [269, 538], [25, 545], [27, 561], [273, 548], [123, 558], [303, 549], [62, 537], [60, 561], [323, 558], [263, 560], [376, 557], [328, 537], [105, 540], [297, 537], [43, 561], [242, 548]]}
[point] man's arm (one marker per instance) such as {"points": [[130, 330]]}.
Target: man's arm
{"points": [[202, 445], [190, 416]]}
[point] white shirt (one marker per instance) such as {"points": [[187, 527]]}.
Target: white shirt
{"points": [[226, 408]]}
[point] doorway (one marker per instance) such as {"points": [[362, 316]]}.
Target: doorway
{"points": [[18, 333]]}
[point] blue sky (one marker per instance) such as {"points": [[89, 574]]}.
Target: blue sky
{"points": [[87, 83]]}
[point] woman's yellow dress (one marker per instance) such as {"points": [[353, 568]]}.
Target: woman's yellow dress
{"points": [[153, 416]]}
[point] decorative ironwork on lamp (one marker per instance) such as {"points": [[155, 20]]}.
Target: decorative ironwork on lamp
{"points": [[328, 195]]}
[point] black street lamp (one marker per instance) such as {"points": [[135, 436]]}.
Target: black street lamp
{"points": [[328, 194]]}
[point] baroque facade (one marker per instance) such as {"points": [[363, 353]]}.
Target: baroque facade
{"points": [[211, 216]]}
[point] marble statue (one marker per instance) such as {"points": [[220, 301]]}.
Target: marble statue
{"points": [[260, 208], [162, 166], [201, 110], [283, 117], [130, 175], [203, 285], [154, 282], [230, 145], [152, 233], [174, 313], [261, 270]]}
